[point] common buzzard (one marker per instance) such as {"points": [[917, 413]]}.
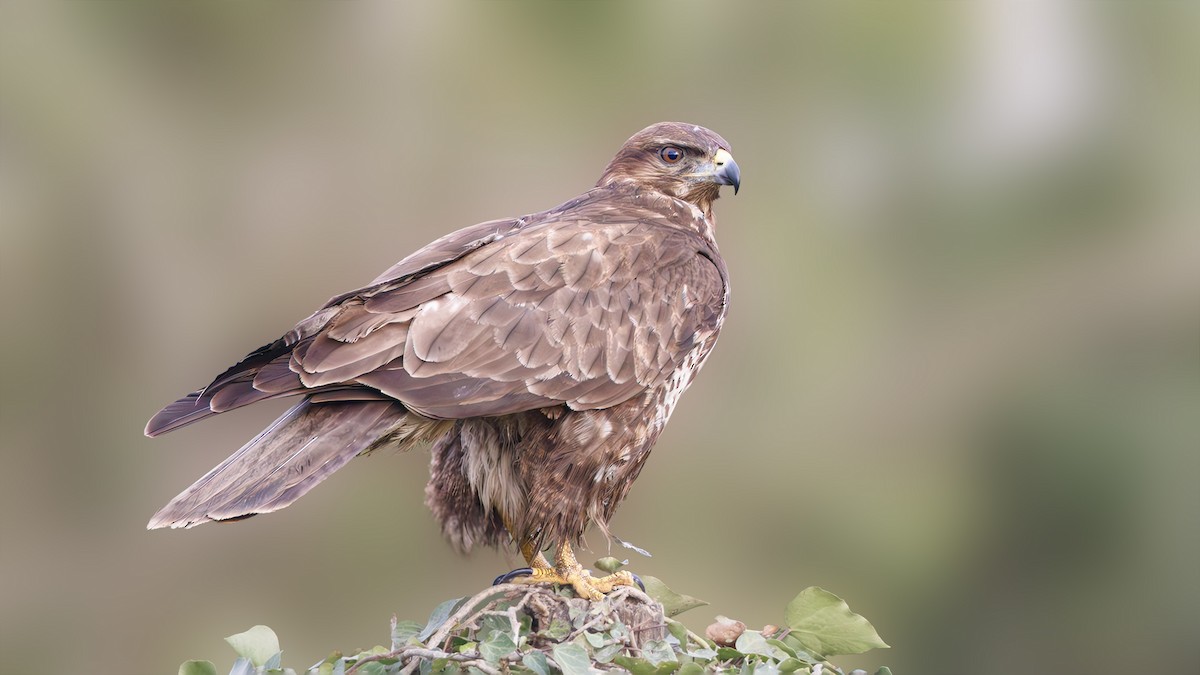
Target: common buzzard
{"points": [[540, 356]]}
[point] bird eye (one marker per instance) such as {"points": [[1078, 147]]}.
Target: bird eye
{"points": [[670, 154]]}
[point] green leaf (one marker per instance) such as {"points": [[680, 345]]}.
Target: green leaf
{"points": [[783, 647], [258, 644], [536, 661], [823, 623], [792, 642], [791, 665], [638, 666], [658, 652], [752, 642], [573, 659], [691, 669], [197, 668], [729, 654], [596, 640], [372, 668], [609, 564], [495, 622], [404, 631], [438, 617], [557, 630], [377, 650], [883, 670], [607, 653], [635, 665], [678, 630], [496, 647], [577, 614], [673, 603]]}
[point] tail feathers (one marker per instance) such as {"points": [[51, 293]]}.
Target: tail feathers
{"points": [[287, 459]]}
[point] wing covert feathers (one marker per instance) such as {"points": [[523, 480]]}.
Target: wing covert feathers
{"points": [[582, 305]]}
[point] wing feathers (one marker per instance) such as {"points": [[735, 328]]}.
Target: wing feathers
{"points": [[589, 305], [190, 408]]}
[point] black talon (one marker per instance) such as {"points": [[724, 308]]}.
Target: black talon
{"points": [[638, 581], [521, 572]]}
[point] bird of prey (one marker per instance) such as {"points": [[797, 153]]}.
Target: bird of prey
{"points": [[540, 356]]}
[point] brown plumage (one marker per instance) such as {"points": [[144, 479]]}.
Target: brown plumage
{"points": [[541, 356]]}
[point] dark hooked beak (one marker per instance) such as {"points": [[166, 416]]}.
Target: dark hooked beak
{"points": [[725, 170]]}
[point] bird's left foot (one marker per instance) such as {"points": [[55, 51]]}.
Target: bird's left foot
{"points": [[580, 580], [568, 572]]}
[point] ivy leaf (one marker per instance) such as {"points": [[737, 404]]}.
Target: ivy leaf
{"points": [[790, 665], [404, 631], [823, 624], [493, 622], [609, 564], [658, 652], [752, 642], [496, 647], [678, 630], [691, 669], [438, 617], [607, 653], [197, 668], [673, 603], [257, 645], [729, 654], [635, 665], [557, 630], [577, 614], [596, 640], [785, 648], [573, 659], [536, 661]]}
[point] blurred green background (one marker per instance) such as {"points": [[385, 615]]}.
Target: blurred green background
{"points": [[959, 385]]}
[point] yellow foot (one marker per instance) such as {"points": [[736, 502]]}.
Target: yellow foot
{"points": [[580, 580], [568, 572]]}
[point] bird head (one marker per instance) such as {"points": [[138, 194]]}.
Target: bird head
{"points": [[682, 160]]}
